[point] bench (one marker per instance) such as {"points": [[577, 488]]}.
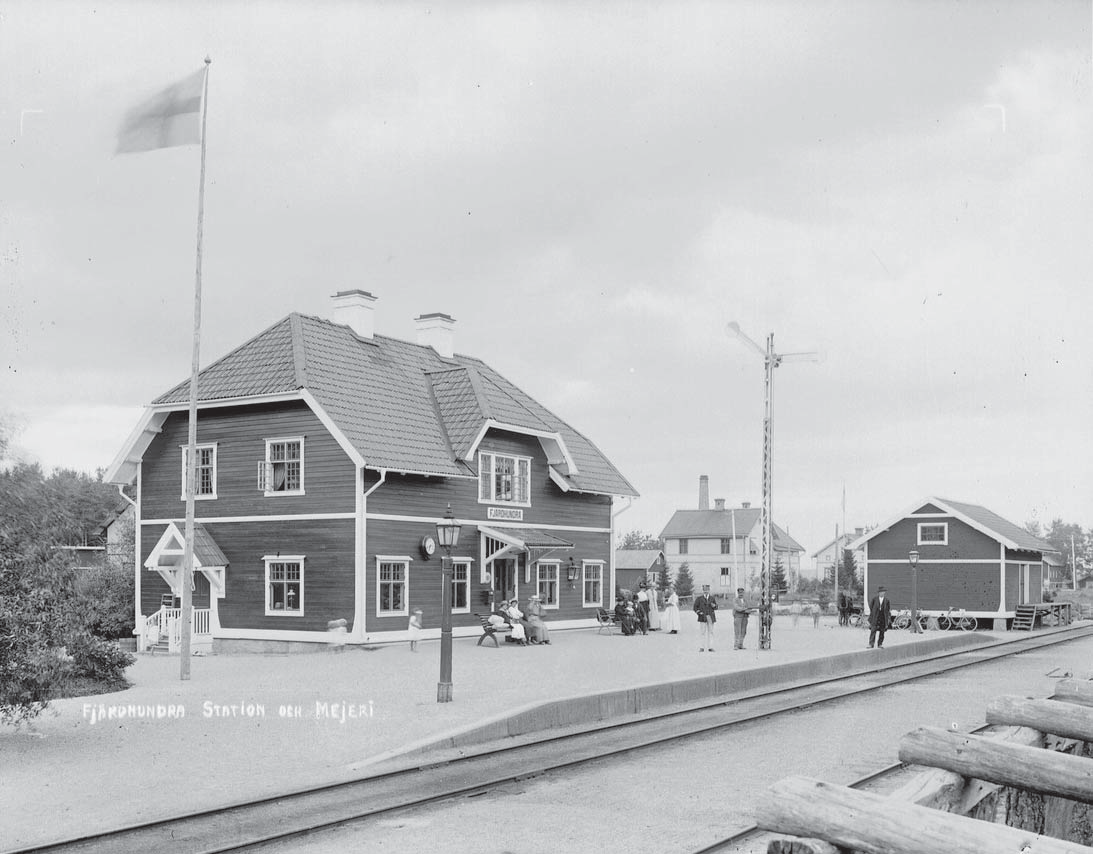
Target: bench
{"points": [[606, 620], [489, 630]]}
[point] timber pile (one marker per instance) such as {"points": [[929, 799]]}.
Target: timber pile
{"points": [[1027, 786]]}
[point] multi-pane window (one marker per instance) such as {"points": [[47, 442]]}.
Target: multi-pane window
{"points": [[283, 470], [284, 586], [936, 533], [204, 471], [593, 583], [547, 583], [504, 479], [726, 577], [391, 597], [461, 586], [726, 546], [683, 547]]}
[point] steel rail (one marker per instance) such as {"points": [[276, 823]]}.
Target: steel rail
{"points": [[196, 828]]}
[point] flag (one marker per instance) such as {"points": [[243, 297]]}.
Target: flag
{"points": [[173, 117]]}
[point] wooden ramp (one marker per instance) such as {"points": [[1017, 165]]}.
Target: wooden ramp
{"points": [[1027, 786]]}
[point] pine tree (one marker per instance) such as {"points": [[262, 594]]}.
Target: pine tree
{"points": [[684, 581]]}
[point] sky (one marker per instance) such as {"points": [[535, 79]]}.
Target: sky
{"points": [[593, 192]]}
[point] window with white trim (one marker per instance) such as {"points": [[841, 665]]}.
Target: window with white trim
{"points": [[284, 585], [204, 471], [933, 533], [592, 572], [726, 545], [546, 582], [726, 576], [461, 586], [683, 547], [282, 473], [392, 586], [504, 479]]}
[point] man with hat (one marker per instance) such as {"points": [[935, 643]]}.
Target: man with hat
{"points": [[740, 611], [706, 608], [880, 615]]}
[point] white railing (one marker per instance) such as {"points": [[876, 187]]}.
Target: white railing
{"points": [[166, 623]]}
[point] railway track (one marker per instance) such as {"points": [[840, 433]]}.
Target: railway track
{"points": [[251, 825]]}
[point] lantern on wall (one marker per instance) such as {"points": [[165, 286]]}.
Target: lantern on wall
{"points": [[572, 571]]}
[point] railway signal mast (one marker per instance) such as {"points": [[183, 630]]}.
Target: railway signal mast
{"points": [[771, 360]]}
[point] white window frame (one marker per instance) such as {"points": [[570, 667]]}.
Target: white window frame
{"points": [[269, 560], [487, 477], [405, 560], [465, 564], [684, 545], [726, 576], [726, 541], [540, 577], [586, 565], [944, 541], [265, 471], [197, 472]]}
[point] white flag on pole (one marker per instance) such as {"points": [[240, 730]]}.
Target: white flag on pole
{"points": [[170, 118]]}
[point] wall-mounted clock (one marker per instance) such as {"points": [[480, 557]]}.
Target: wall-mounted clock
{"points": [[428, 547]]}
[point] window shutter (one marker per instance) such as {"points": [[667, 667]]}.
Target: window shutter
{"points": [[265, 475], [522, 481]]}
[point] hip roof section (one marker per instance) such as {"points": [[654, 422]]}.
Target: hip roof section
{"points": [[400, 405]]}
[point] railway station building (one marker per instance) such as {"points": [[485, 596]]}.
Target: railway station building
{"points": [[326, 454], [968, 558]]}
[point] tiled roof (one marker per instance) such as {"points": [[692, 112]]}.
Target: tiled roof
{"points": [[686, 524], [206, 550], [400, 405], [994, 522]]}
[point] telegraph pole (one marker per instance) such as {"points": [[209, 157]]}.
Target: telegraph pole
{"points": [[771, 360]]}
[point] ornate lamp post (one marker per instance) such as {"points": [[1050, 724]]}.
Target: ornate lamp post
{"points": [[447, 534], [912, 558]]}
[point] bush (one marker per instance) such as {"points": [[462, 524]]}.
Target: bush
{"points": [[105, 597], [98, 659]]}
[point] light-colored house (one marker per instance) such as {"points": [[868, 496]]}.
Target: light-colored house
{"points": [[824, 560], [722, 546]]}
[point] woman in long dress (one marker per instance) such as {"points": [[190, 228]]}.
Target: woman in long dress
{"points": [[654, 609], [539, 633], [671, 614]]}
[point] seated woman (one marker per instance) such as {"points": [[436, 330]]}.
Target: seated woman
{"points": [[624, 614], [516, 620]]}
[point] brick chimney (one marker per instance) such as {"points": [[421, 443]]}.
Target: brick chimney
{"points": [[745, 504], [704, 492], [719, 504], [355, 309], [437, 330]]}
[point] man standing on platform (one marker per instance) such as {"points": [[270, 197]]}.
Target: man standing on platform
{"points": [[880, 615], [706, 608], [740, 611]]}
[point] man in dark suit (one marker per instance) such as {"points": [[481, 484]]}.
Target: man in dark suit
{"points": [[706, 608], [880, 615]]}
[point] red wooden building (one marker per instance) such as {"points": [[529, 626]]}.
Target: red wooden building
{"points": [[969, 558], [326, 454]]}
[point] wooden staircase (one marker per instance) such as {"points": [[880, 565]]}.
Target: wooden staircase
{"points": [[1024, 618]]}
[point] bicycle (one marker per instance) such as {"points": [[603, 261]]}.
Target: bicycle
{"points": [[957, 620], [902, 620]]}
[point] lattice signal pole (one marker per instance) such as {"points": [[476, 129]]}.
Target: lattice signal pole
{"points": [[771, 360]]}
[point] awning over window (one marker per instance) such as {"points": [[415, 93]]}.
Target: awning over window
{"points": [[525, 539]]}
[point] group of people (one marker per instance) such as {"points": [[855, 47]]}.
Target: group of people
{"points": [[526, 627], [705, 606], [640, 613]]}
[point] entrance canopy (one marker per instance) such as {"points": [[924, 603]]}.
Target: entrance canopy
{"points": [[168, 555], [500, 543]]}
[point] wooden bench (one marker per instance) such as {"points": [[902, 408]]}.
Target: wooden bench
{"points": [[489, 630]]}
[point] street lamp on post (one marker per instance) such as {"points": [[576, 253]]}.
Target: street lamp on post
{"points": [[447, 534], [771, 360], [912, 558]]}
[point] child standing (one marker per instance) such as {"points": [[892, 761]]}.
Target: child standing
{"points": [[415, 629]]}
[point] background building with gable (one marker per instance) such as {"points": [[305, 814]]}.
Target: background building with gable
{"points": [[326, 454]]}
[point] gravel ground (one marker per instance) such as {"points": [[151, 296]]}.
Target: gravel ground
{"points": [[53, 775], [682, 798]]}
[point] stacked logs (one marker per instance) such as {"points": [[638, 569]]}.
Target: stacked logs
{"points": [[1027, 787]]}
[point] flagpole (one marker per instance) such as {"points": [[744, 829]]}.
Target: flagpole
{"points": [[191, 445]]}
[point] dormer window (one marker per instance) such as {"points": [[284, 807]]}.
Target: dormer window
{"points": [[283, 470], [504, 480]]}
